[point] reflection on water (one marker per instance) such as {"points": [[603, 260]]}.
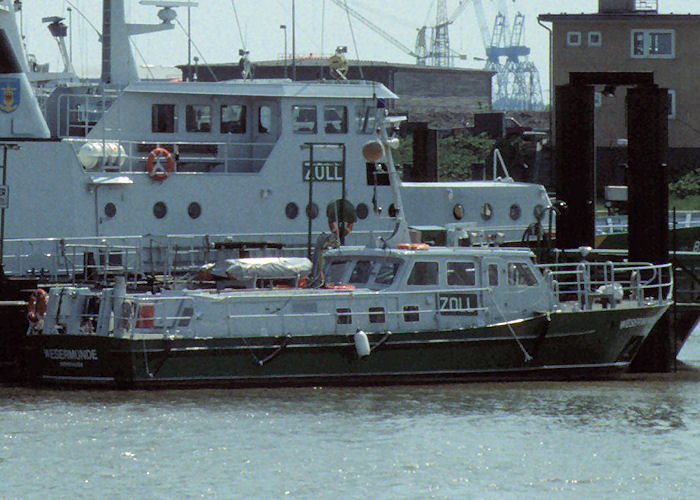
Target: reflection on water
{"points": [[443, 441]]}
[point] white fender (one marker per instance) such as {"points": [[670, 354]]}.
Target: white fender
{"points": [[361, 344]]}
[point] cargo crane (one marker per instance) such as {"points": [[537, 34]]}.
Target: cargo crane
{"points": [[420, 58], [524, 91], [516, 83], [439, 53]]}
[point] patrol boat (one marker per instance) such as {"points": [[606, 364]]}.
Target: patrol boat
{"points": [[391, 312], [158, 167]]}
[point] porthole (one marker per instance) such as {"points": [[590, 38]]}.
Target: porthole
{"points": [[110, 210], [362, 211], [515, 211], [486, 211], [291, 210], [458, 211], [194, 210], [160, 209], [312, 211], [538, 212]]}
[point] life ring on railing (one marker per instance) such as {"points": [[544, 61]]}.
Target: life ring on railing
{"points": [[335, 230], [155, 169], [339, 286], [413, 246], [36, 306]]}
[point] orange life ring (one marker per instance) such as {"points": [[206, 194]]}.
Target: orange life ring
{"points": [[335, 230], [339, 286], [36, 306], [156, 171], [413, 246]]}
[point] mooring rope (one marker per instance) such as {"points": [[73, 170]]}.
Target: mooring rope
{"points": [[512, 331]]}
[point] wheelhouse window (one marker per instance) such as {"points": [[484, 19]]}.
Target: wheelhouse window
{"points": [[658, 44], [264, 119], [519, 274], [335, 271], [198, 118], [163, 118], [233, 119], [365, 120], [493, 274], [304, 119], [336, 119], [424, 273], [461, 274], [387, 273], [573, 39], [360, 274]]}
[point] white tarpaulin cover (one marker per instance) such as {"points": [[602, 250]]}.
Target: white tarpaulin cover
{"points": [[260, 267]]}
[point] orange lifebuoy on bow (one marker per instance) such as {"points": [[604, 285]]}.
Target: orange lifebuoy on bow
{"points": [[335, 230], [155, 169], [413, 246], [36, 306]]}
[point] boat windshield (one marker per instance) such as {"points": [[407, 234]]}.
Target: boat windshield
{"points": [[519, 274], [335, 270], [365, 272]]}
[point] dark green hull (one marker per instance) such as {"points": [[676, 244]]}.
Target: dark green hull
{"points": [[593, 344]]}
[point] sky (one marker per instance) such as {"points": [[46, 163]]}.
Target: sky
{"points": [[219, 28]]}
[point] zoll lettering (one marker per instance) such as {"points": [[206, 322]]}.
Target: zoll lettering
{"points": [[324, 171]]}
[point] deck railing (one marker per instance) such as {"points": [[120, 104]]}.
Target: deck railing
{"points": [[609, 283]]}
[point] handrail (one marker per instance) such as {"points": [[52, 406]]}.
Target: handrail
{"points": [[586, 282], [236, 157]]}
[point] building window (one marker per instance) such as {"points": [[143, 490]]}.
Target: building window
{"points": [[573, 39], [304, 119], [595, 39], [198, 118], [163, 118], [660, 44], [671, 104], [233, 119]]}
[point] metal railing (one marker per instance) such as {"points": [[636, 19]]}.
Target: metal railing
{"points": [[606, 224], [609, 283], [222, 157]]}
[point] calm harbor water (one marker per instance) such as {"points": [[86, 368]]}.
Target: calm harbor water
{"points": [[623, 439]]}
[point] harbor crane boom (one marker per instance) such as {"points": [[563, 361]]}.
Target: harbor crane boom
{"points": [[343, 5]]}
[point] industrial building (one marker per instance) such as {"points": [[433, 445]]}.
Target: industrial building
{"points": [[631, 36]]}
